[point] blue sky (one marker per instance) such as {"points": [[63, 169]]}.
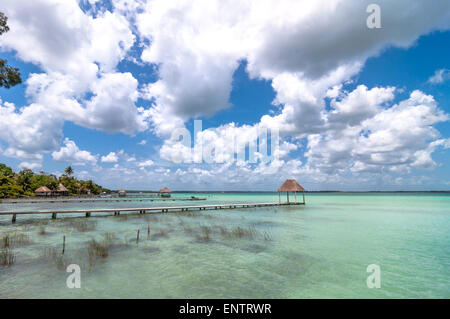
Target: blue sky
{"points": [[105, 92]]}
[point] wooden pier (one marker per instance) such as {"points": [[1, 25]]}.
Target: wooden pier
{"points": [[167, 209], [113, 199]]}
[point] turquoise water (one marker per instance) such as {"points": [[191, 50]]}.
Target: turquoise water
{"points": [[320, 250]]}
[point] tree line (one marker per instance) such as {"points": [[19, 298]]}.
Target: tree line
{"points": [[25, 182]]}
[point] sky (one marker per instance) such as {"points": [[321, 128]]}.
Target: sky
{"points": [[230, 94]]}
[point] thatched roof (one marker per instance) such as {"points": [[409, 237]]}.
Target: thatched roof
{"points": [[62, 188], [121, 191], [291, 185], [164, 190], [43, 189]]}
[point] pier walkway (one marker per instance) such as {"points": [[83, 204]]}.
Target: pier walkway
{"points": [[111, 199], [167, 209]]}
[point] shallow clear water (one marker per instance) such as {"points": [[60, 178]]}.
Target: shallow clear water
{"points": [[320, 250]]}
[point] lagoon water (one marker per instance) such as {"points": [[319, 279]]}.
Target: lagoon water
{"points": [[321, 250]]}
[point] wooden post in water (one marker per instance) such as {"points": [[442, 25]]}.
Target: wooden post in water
{"points": [[303, 197], [137, 238], [14, 218], [53, 215], [287, 197], [295, 194], [64, 244], [148, 231]]}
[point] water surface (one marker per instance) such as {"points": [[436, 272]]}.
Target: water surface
{"points": [[320, 250]]}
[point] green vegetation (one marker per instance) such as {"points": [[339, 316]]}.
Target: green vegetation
{"points": [[68, 170], [24, 183], [7, 257], [14, 240], [9, 76]]}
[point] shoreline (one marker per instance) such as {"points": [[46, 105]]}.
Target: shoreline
{"points": [[77, 197], [272, 192]]}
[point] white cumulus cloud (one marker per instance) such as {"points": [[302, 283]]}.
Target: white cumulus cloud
{"points": [[110, 158], [72, 154]]}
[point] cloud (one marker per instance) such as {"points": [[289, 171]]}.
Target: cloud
{"points": [[197, 47], [308, 51], [393, 139], [146, 163], [110, 158], [361, 132], [72, 154], [439, 76], [30, 165], [143, 142], [79, 54], [360, 104], [64, 38], [226, 143], [29, 131], [112, 108]]}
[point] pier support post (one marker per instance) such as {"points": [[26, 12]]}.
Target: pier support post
{"points": [[53, 215], [88, 214], [14, 218]]}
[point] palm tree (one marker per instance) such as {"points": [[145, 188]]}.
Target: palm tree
{"points": [[68, 170]]}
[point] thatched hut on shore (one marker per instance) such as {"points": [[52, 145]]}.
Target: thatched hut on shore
{"points": [[43, 191], [122, 193], [165, 192], [61, 190], [291, 185]]}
